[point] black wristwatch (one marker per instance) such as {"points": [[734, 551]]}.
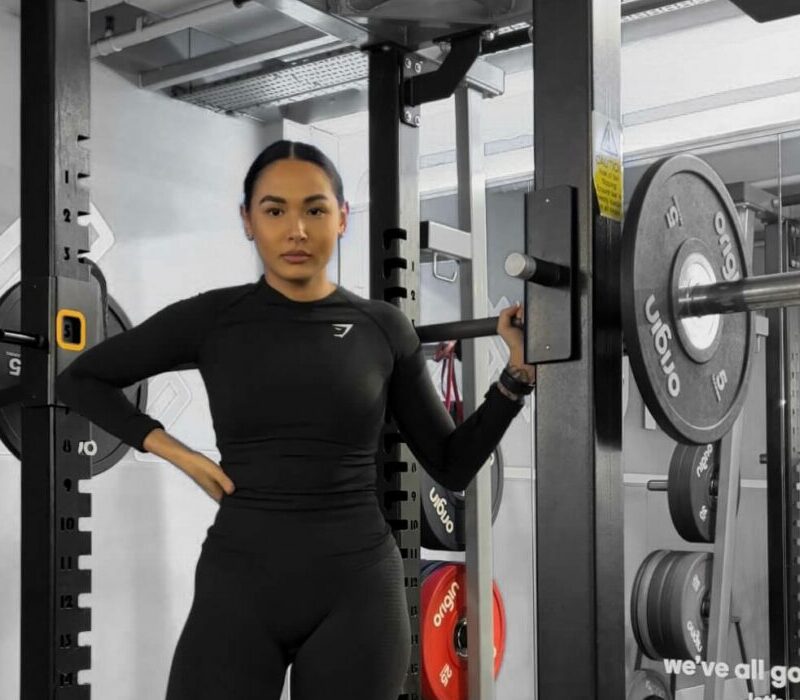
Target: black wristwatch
{"points": [[514, 385]]}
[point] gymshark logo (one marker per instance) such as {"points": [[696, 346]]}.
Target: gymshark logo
{"points": [[342, 329]]}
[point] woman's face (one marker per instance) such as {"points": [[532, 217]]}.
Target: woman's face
{"points": [[293, 207]]}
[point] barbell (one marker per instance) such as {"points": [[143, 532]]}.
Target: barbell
{"points": [[687, 298]]}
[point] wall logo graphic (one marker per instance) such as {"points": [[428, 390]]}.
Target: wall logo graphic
{"points": [[168, 394]]}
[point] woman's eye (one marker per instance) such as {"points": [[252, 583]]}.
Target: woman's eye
{"points": [[272, 210], [317, 211]]}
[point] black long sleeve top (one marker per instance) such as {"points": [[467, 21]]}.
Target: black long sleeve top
{"points": [[297, 390]]}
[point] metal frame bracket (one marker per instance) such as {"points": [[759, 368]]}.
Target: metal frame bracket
{"points": [[442, 83], [552, 333]]}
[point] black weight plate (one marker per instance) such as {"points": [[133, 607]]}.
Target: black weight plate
{"points": [[110, 449], [682, 219], [648, 685], [687, 586], [438, 524], [655, 605], [691, 504], [426, 567], [443, 510], [498, 481], [638, 603], [639, 595], [692, 499]]}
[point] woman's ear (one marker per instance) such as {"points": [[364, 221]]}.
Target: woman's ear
{"points": [[245, 221], [343, 214]]}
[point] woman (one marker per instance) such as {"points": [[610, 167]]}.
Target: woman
{"points": [[299, 565]]}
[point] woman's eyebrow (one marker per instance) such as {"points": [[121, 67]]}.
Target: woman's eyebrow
{"points": [[281, 200]]}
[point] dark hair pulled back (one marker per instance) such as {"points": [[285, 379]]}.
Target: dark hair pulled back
{"points": [[297, 150]]}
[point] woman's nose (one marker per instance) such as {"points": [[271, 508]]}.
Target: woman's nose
{"points": [[296, 227]]}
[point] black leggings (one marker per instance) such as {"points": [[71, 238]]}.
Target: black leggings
{"points": [[346, 633]]}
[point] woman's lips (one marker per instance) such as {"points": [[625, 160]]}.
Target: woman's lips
{"points": [[296, 258]]}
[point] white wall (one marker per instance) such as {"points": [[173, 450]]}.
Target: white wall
{"points": [[750, 71]]}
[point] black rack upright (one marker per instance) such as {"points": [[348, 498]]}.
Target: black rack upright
{"points": [[580, 635], [54, 204]]}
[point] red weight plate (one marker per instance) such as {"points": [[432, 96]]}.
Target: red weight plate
{"points": [[444, 632]]}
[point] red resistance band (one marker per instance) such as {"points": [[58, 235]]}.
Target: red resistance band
{"points": [[445, 353]]}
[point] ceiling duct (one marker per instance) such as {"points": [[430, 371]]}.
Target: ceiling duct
{"points": [[344, 69], [633, 10], [495, 7], [186, 20], [363, 5], [426, 20], [293, 84]]}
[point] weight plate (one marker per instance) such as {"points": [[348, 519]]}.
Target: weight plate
{"points": [[427, 566], [626, 386], [691, 506], [659, 631], [639, 601], [641, 585], [684, 593], [443, 510], [443, 632], [682, 228], [110, 449], [648, 685], [693, 474]]}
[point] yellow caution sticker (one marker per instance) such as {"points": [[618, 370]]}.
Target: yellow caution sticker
{"points": [[607, 167]]}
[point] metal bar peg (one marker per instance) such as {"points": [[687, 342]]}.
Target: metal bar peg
{"points": [[536, 270]]}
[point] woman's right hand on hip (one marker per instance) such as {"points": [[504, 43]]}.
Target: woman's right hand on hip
{"points": [[209, 476]]}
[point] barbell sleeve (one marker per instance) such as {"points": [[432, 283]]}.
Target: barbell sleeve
{"points": [[532, 269], [22, 339], [748, 294]]}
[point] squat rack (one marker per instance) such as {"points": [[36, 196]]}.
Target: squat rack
{"points": [[579, 577], [394, 95]]}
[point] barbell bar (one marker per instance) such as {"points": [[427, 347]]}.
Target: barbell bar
{"points": [[459, 330], [748, 294]]}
